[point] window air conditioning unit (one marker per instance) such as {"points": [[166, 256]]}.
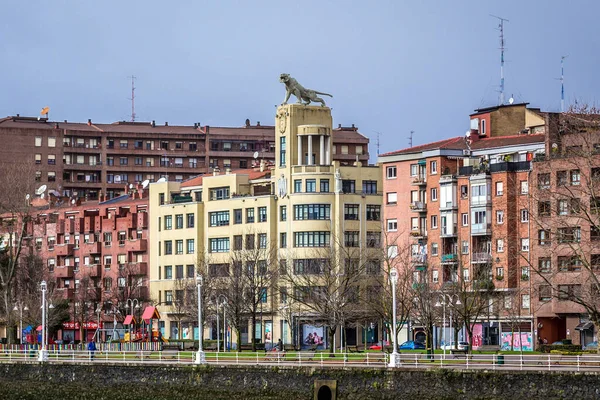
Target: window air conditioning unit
{"points": [[466, 152]]}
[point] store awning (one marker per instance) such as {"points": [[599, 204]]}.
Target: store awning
{"points": [[129, 320], [584, 326], [39, 328], [150, 313]]}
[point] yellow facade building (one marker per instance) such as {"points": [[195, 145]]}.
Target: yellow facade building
{"points": [[284, 221]]}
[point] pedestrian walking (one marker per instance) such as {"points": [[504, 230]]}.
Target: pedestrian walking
{"points": [[280, 345], [92, 348]]}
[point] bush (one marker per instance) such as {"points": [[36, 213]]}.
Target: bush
{"points": [[547, 348], [566, 353]]}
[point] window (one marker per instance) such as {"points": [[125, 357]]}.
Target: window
{"points": [[282, 151], [51, 176], [179, 221], [218, 245], [219, 193], [297, 185], [414, 169], [218, 218], [191, 269], [545, 292], [369, 187], [237, 216], [499, 188], [312, 239], [575, 206], [390, 172], [524, 215], [392, 225], [283, 240], [38, 141], [190, 245], [311, 185], [161, 199], [435, 276], [373, 212], [179, 272], [434, 221], [569, 235], [466, 275], [482, 124], [262, 214], [465, 219], [123, 144], [524, 187], [500, 245], [544, 265], [569, 292], [544, 208], [392, 251], [282, 213], [348, 186], [51, 159], [434, 194], [237, 242], [544, 181], [434, 249], [304, 212], [344, 149], [190, 220], [525, 244], [575, 177], [500, 272], [465, 247], [500, 217], [543, 237], [324, 186], [249, 215], [168, 222], [351, 212], [392, 198], [525, 300], [262, 240], [374, 239], [351, 239], [433, 167], [464, 191], [563, 207], [168, 272], [562, 178], [310, 266], [123, 160], [51, 142]]}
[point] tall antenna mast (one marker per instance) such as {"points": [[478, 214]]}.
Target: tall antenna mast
{"points": [[410, 138], [562, 84], [132, 98], [502, 48]]}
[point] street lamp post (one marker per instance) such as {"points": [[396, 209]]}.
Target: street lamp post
{"points": [[223, 304], [20, 309], [200, 357], [444, 299], [394, 358], [133, 304], [43, 353]]}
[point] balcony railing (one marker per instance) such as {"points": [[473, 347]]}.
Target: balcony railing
{"points": [[449, 258], [510, 166], [481, 229], [418, 206], [481, 257], [448, 231], [419, 258], [419, 180]]}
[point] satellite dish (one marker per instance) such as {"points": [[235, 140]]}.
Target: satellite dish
{"points": [[131, 186], [27, 197], [73, 201], [161, 180], [511, 100], [45, 111], [145, 184], [41, 190], [255, 155]]}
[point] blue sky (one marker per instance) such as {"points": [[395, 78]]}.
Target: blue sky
{"points": [[392, 66]]}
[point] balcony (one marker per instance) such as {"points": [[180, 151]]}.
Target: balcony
{"points": [[419, 180], [136, 245], [64, 293], [418, 233], [481, 258], [64, 249], [449, 258], [94, 270], [449, 205], [418, 206], [299, 169], [63, 272], [419, 259], [511, 166], [447, 179], [481, 229], [448, 231], [137, 268]]}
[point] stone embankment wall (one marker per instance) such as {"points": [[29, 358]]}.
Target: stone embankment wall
{"points": [[132, 382]]}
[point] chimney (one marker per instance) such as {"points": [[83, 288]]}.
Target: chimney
{"points": [[153, 124], [247, 122], [56, 125], [339, 126], [207, 129], [257, 123], [166, 123], [262, 165], [195, 125], [474, 135], [65, 121], [228, 171], [18, 115], [353, 127], [100, 197], [89, 122], [216, 171]]}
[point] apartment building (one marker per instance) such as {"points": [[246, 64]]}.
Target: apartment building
{"points": [[96, 257], [279, 217], [461, 206], [90, 160]]}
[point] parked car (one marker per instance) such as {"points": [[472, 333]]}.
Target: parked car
{"points": [[557, 343], [451, 346], [591, 346], [412, 345]]}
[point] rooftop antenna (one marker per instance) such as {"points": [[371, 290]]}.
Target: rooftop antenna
{"points": [[562, 84], [501, 28], [132, 98], [378, 144], [410, 138]]}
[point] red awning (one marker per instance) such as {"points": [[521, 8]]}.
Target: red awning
{"points": [[150, 313], [39, 328], [129, 320]]}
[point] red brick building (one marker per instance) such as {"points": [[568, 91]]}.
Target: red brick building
{"points": [[89, 159]]}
